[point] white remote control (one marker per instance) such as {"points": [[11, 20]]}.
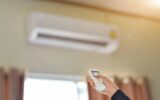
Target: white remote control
{"points": [[99, 85]]}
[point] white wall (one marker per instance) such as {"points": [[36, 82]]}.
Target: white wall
{"points": [[139, 52]]}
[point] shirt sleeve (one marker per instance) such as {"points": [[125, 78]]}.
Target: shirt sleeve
{"points": [[119, 95]]}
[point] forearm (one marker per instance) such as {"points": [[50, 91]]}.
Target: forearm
{"points": [[119, 95]]}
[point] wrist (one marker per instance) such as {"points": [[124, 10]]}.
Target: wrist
{"points": [[112, 91]]}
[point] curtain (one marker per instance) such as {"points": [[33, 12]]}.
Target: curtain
{"points": [[136, 89], [11, 85]]}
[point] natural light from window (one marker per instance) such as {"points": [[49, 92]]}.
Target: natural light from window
{"points": [[48, 89]]}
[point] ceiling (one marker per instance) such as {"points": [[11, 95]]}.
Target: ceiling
{"points": [[141, 8]]}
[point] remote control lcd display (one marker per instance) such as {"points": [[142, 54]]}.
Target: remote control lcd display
{"points": [[95, 73]]}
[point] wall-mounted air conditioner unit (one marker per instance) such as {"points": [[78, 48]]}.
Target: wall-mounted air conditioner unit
{"points": [[68, 32]]}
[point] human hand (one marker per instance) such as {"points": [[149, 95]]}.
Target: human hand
{"points": [[111, 87]]}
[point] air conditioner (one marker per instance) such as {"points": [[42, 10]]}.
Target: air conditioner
{"points": [[68, 32]]}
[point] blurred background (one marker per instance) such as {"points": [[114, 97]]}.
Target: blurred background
{"points": [[135, 37]]}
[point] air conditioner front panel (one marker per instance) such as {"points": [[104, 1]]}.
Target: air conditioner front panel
{"points": [[72, 24]]}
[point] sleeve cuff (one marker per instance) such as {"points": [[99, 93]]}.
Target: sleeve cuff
{"points": [[119, 95]]}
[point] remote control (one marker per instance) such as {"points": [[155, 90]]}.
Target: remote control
{"points": [[99, 85]]}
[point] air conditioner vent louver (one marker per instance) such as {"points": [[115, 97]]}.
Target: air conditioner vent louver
{"points": [[75, 40], [61, 31]]}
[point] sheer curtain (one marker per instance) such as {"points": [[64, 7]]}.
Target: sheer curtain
{"points": [[11, 85], [136, 89]]}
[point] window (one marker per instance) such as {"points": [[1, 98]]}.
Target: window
{"points": [[54, 89]]}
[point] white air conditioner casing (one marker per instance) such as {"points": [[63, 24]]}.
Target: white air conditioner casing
{"points": [[62, 31]]}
